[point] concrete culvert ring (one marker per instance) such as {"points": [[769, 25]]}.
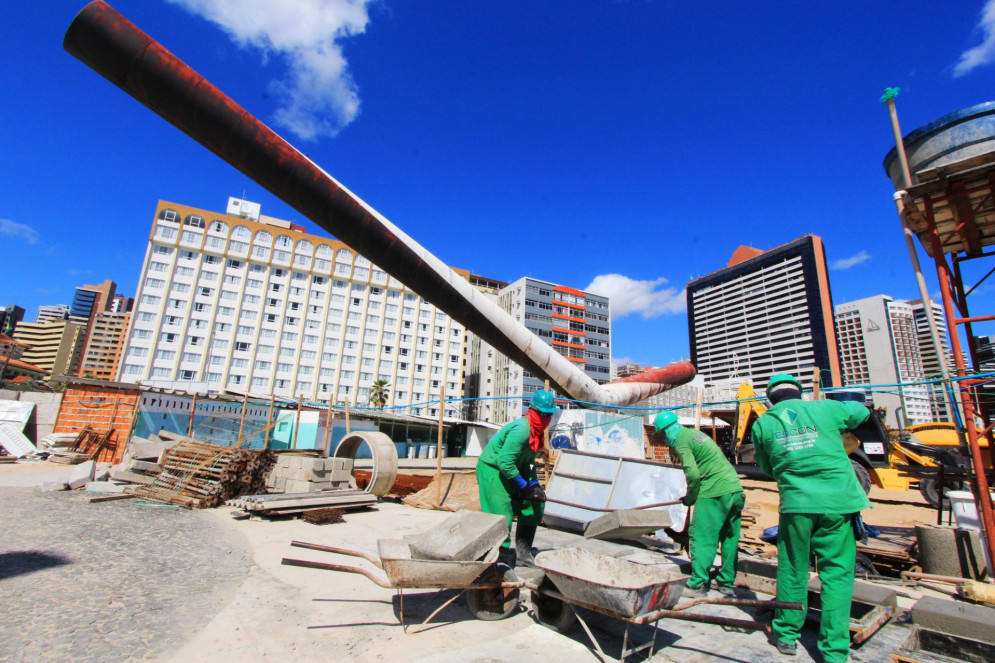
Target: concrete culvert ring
{"points": [[384, 458]]}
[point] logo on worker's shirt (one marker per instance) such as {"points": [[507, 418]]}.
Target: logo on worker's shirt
{"points": [[789, 417]]}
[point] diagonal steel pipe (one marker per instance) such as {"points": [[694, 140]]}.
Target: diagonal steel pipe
{"points": [[114, 47]]}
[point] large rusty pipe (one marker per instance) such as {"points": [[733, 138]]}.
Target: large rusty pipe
{"points": [[110, 44]]}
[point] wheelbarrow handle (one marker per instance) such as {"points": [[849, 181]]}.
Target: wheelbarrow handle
{"points": [[741, 603], [340, 551], [338, 567], [652, 617]]}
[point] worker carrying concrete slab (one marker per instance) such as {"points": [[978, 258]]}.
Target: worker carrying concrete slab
{"points": [[800, 444], [717, 496], [506, 477]]}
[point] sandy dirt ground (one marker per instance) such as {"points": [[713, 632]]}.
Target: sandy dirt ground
{"points": [[283, 613], [889, 508]]}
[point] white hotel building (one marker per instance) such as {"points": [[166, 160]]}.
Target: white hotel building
{"points": [[248, 303]]}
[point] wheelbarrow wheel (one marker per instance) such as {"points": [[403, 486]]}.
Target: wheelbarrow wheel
{"points": [[491, 605], [551, 612]]}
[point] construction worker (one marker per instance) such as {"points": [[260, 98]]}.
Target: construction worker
{"points": [[717, 495], [506, 477], [800, 444]]}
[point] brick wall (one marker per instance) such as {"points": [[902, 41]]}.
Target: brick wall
{"points": [[102, 408], [658, 451]]}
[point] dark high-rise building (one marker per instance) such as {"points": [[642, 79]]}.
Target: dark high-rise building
{"points": [[767, 312], [9, 317]]}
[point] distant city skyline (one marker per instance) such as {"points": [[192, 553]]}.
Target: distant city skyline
{"points": [[627, 150]]}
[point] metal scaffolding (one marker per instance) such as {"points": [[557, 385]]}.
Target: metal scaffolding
{"points": [[949, 204]]}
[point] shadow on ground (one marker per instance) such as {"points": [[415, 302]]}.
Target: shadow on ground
{"points": [[20, 562]]}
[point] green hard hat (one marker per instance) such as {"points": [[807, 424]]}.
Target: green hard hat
{"points": [[543, 401], [664, 420], [782, 378]]}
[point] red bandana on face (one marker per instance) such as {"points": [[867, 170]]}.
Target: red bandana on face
{"points": [[537, 425]]}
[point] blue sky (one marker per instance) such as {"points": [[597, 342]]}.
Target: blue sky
{"points": [[623, 146]]}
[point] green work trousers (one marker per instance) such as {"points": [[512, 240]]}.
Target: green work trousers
{"points": [[830, 538], [715, 526], [499, 495]]}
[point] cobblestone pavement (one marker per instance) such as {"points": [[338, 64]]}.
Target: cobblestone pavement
{"points": [[111, 581]]}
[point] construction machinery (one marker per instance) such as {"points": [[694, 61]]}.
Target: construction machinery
{"points": [[926, 455]]}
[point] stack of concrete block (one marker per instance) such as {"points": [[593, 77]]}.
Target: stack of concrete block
{"points": [[307, 474]]}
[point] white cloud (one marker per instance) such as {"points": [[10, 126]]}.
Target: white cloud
{"points": [[318, 96], [847, 263], [642, 297], [983, 53], [16, 230]]}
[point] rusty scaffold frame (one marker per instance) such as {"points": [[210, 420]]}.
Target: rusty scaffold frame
{"points": [[949, 204]]}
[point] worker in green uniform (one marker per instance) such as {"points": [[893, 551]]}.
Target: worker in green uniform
{"points": [[800, 444], [506, 477], [717, 496]]}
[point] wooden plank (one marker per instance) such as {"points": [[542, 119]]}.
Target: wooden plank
{"points": [[111, 498]]}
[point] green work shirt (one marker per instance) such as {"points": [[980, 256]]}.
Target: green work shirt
{"points": [[706, 469], [509, 451], [800, 444]]}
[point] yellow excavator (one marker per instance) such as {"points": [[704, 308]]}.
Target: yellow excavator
{"points": [[892, 464]]}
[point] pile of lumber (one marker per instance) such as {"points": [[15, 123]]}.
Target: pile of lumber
{"points": [[291, 503], [750, 532], [197, 475]]}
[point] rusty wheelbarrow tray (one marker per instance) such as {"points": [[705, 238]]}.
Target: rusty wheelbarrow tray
{"points": [[490, 596], [637, 594]]}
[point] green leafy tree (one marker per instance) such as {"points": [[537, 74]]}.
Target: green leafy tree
{"points": [[379, 393]]}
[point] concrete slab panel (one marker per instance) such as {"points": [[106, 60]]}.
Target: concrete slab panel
{"points": [[464, 536], [14, 441], [955, 617], [627, 524], [82, 474]]}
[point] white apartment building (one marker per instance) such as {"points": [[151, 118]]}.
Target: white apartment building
{"points": [[247, 303], [52, 313], [576, 324], [879, 346]]}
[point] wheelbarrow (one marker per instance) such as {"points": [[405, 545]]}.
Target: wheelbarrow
{"points": [[492, 590], [637, 594]]}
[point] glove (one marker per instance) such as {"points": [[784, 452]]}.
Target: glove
{"points": [[532, 492], [686, 502], [859, 529], [520, 482]]}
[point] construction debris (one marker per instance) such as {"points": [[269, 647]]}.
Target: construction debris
{"points": [[82, 474], [88, 446], [197, 475], [324, 516]]}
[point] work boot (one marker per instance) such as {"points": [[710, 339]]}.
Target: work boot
{"points": [[695, 592], [525, 535], [506, 557], [726, 591], [781, 646]]}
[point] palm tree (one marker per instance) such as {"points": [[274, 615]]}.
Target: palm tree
{"points": [[379, 393]]}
